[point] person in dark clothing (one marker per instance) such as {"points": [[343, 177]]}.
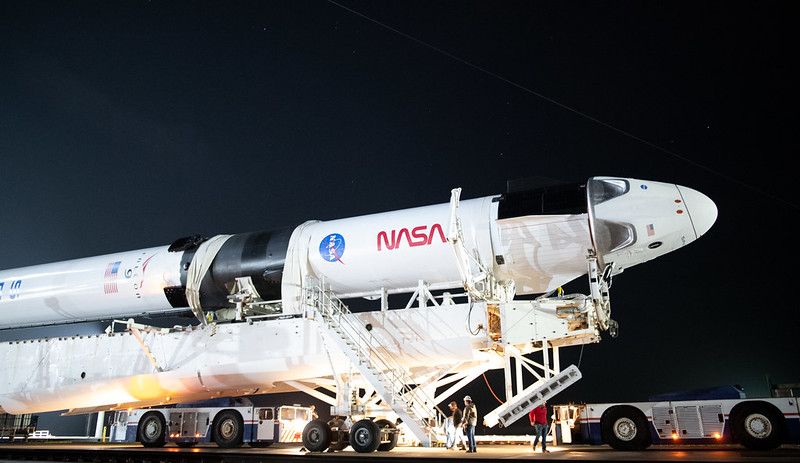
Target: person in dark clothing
{"points": [[538, 419], [470, 421]]}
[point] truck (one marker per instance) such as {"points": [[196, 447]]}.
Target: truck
{"points": [[755, 423], [227, 426]]}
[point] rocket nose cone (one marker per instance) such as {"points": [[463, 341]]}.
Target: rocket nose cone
{"points": [[701, 209]]}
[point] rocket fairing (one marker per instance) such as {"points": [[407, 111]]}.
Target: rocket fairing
{"points": [[537, 238]]}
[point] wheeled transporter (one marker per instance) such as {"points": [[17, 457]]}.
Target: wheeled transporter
{"points": [[225, 426], [763, 423]]}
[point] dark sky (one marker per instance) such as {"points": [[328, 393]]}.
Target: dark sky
{"points": [[129, 124]]}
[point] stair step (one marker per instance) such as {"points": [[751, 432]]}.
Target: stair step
{"points": [[391, 382]]}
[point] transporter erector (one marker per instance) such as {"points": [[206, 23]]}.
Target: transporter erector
{"points": [[286, 287]]}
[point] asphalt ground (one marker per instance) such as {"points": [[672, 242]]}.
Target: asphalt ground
{"points": [[292, 453]]}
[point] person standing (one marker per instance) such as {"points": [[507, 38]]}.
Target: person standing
{"points": [[449, 432], [538, 419], [454, 433], [470, 421]]}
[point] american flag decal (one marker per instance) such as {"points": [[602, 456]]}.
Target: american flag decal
{"points": [[650, 230], [110, 285]]}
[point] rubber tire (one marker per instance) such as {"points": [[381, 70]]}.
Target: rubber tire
{"points": [[343, 436], [641, 438], [386, 446], [158, 441], [776, 422], [185, 445], [223, 418], [365, 436], [316, 436]]}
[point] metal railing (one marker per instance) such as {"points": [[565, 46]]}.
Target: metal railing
{"points": [[12, 426], [385, 366]]}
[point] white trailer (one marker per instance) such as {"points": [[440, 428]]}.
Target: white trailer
{"points": [[225, 426], [762, 423]]}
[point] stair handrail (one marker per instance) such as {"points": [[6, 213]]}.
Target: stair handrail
{"points": [[331, 306]]}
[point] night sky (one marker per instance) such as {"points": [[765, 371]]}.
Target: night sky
{"points": [[125, 125]]}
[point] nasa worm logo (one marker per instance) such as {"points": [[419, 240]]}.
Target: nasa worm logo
{"points": [[331, 248]]}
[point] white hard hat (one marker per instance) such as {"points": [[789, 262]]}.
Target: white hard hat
{"points": [[467, 398]]}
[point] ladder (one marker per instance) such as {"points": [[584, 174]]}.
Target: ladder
{"points": [[531, 397], [382, 369]]}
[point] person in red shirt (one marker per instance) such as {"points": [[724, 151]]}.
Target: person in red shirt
{"points": [[538, 418]]}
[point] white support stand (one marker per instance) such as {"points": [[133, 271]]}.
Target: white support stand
{"points": [[312, 392], [98, 427], [477, 279], [134, 330], [422, 295], [507, 375], [458, 381], [384, 300], [599, 286]]}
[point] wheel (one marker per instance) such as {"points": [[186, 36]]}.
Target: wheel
{"points": [[625, 428], [152, 430], [393, 435], [365, 436], [340, 438], [186, 445], [758, 426], [228, 429], [316, 436]]}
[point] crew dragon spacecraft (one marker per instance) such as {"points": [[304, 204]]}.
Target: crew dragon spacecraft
{"points": [[284, 335]]}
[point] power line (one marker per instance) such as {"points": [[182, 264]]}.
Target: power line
{"points": [[566, 107]]}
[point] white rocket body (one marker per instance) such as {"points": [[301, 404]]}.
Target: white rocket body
{"points": [[123, 284], [539, 246], [394, 250]]}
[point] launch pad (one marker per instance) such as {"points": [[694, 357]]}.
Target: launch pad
{"points": [[293, 453]]}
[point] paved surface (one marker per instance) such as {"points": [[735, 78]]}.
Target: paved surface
{"points": [[292, 453]]}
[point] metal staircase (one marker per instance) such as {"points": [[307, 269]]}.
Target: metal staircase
{"points": [[533, 396], [378, 366]]}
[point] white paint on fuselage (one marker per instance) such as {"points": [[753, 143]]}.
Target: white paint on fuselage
{"points": [[238, 359]]}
